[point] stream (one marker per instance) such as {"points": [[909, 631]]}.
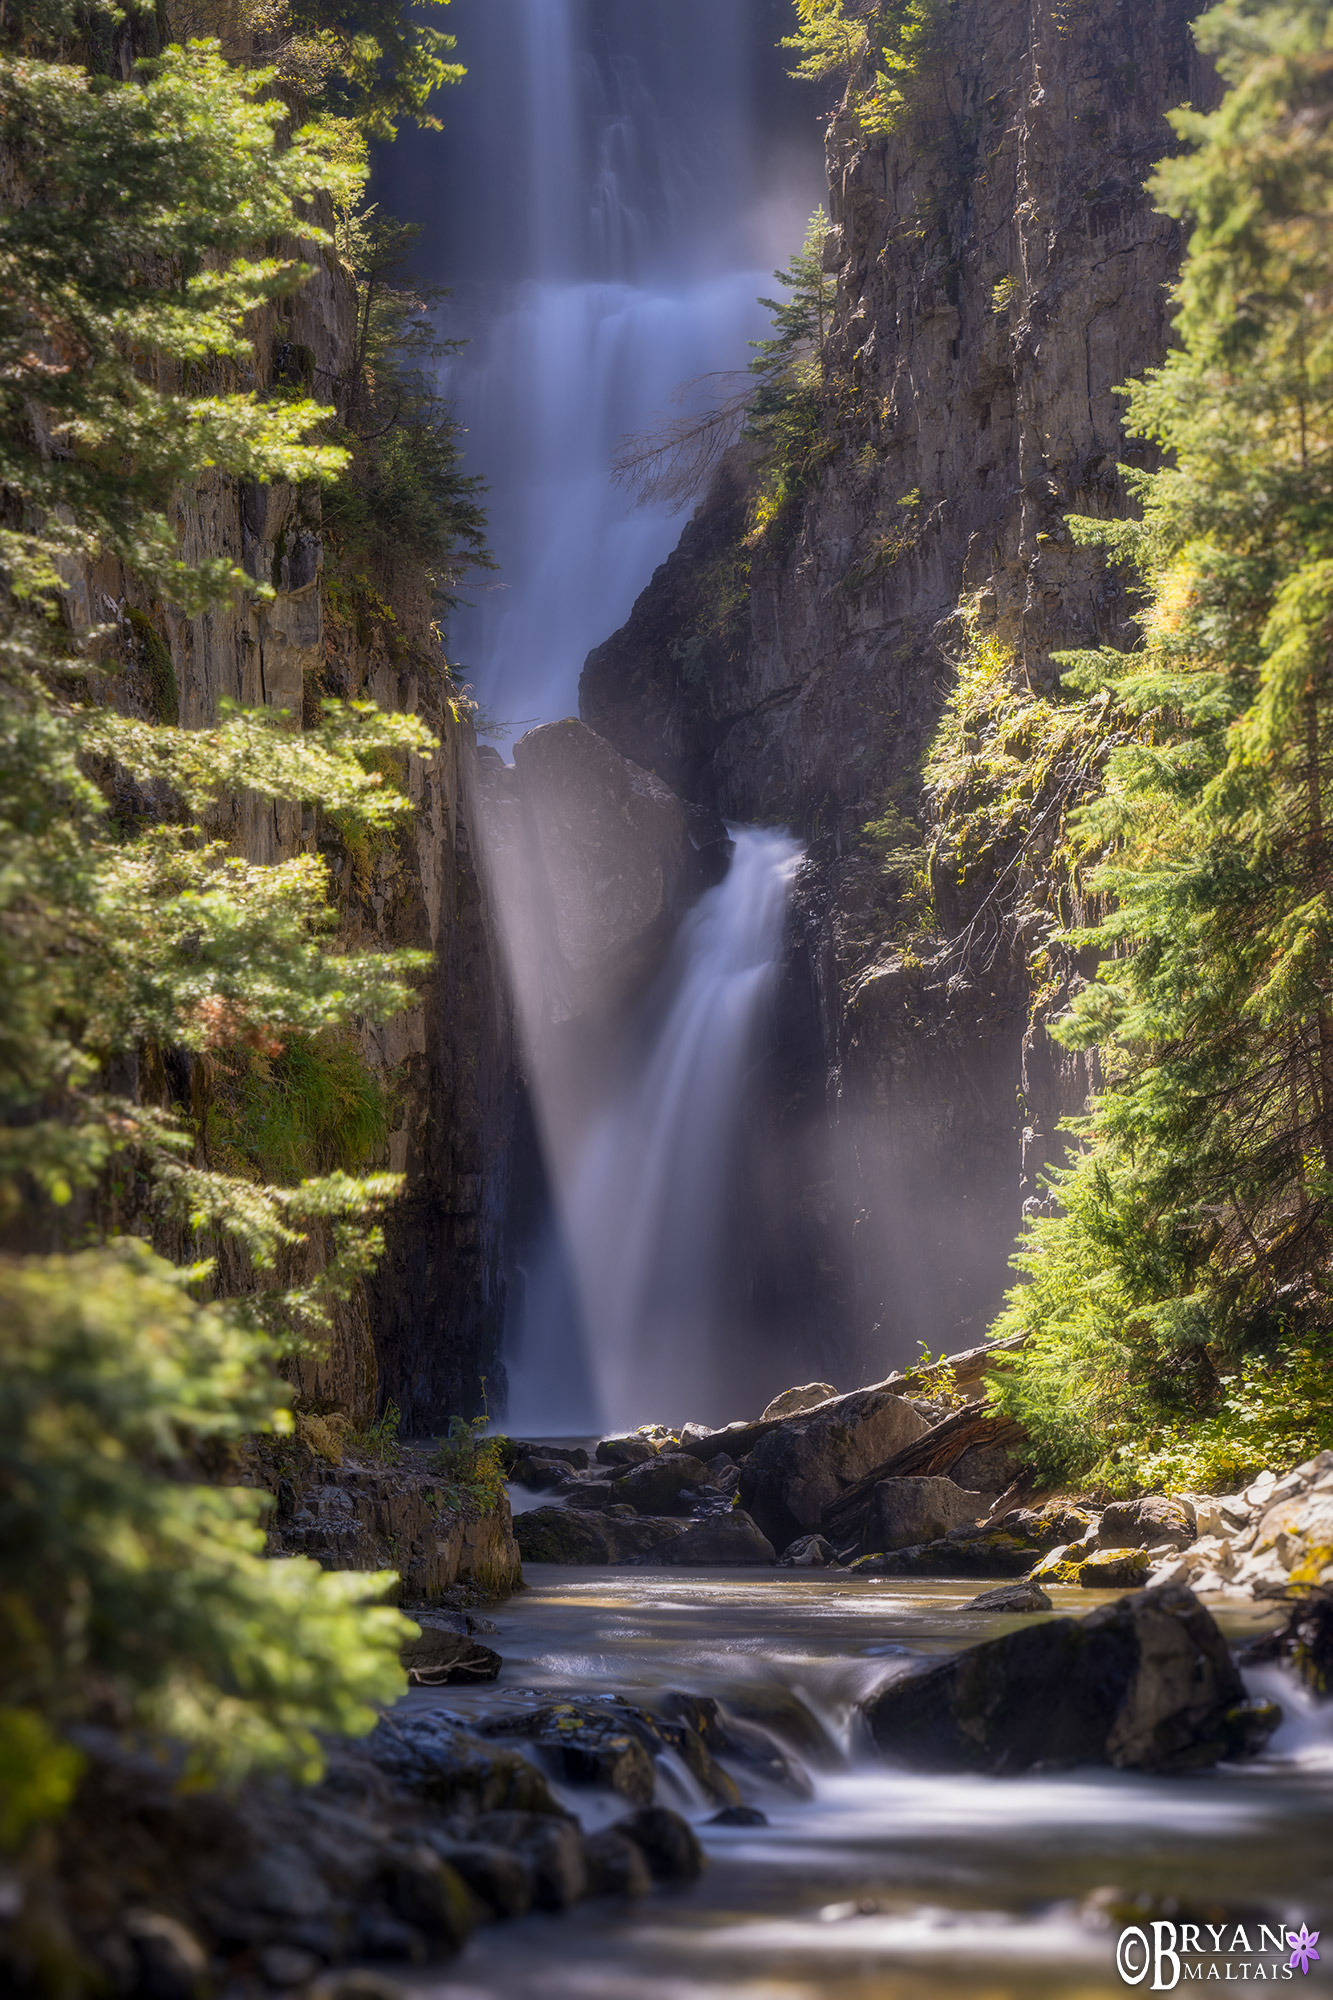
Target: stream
{"points": [[869, 1883]]}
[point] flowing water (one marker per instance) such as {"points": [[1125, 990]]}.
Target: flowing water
{"points": [[626, 174], [623, 1319], [869, 1883]]}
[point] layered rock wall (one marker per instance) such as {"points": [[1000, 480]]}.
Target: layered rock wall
{"points": [[1000, 270]]}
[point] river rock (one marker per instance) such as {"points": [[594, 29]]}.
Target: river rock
{"points": [[591, 1496], [719, 1538], [539, 1475], [617, 1865], [1305, 1641], [797, 1469], [810, 1552], [1139, 1524], [562, 1535], [907, 1512], [585, 1745], [987, 1552], [668, 1486], [1144, 1684], [624, 1451], [1114, 1569], [792, 1401], [669, 1843], [499, 1876], [1025, 1596], [433, 1756], [427, 1893], [552, 1847]]}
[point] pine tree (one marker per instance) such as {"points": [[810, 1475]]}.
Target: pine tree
{"points": [[132, 1588], [1203, 1195]]}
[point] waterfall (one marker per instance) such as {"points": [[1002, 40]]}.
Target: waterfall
{"points": [[626, 205], [624, 1308]]}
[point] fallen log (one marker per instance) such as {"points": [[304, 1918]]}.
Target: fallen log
{"points": [[931, 1455]]}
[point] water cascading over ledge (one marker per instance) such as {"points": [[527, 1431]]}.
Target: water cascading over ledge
{"points": [[644, 951], [635, 169]]}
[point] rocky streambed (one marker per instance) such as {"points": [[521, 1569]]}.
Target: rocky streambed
{"points": [[827, 1695]]}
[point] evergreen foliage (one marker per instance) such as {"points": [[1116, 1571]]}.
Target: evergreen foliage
{"points": [[786, 412], [405, 501], [885, 51], [1195, 1238], [137, 951]]}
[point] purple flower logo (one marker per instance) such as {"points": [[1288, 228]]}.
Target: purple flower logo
{"points": [[1303, 1948]]}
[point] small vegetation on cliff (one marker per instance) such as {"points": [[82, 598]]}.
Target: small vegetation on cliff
{"points": [[887, 52], [141, 957], [1188, 1278]]}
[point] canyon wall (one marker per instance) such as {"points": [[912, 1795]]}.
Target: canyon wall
{"points": [[424, 1329], [1000, 269]]}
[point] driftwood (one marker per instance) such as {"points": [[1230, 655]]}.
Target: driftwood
{"points": [[941, 1446]]}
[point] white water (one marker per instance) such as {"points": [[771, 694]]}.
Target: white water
{"points": [[870, 1882], [626, 217], [644, 1205]]}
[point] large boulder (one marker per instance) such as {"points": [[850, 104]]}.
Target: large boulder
{"points": [[1144, 1684], [797, 1469], [574, 1535], [906, 1512], [1142, 1524], [793, 1401], [562, 1535], [987, 1552], [719, 1538], [667, 1485]]}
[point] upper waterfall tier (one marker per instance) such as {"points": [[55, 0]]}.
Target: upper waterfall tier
{"points": [[635, 176]]}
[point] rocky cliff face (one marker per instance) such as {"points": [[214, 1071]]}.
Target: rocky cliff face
{"points": [[999, 270], [425, 1328]]}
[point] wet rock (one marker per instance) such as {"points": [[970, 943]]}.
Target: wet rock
{"points": [[739, 1816], [624, 1451], [448, 1659], [547, 1454], [802, 1466], [1062, 1564], [1025, 1596], [438, 1760], [792, 1401], [810, 1552], [1304, 1641], [586, 1746], [431, 1896], [591, 1496], [539, 1475], [552, 1848], [989, 1552], [379, 1934], [617, 1866], [905, 1513], [1143, 1684], [635, 1538], [170, 1963], [669, 1843], [720, 1538], [669, 1485], [1044, 1527], [1115, 1569], [561, 1535], [1138, 1524], [500, 1878]]}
